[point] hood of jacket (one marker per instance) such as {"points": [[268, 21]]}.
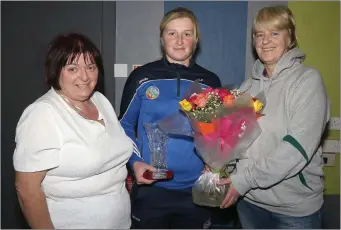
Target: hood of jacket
{"points": [[288, 60]]}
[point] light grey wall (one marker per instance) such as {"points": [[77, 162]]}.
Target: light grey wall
{"points": [[137, 37], [253, 8]]}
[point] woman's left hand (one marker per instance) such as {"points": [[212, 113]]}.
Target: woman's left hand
{"points": [[232, 194]]}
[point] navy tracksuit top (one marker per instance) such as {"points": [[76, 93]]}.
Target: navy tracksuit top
{"points": [[152, 92]]}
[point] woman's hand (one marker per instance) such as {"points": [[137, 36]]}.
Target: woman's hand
{"points": [[139, 168], [232, 194], [206, 169]]}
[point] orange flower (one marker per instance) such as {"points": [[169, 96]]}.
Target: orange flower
{"points": [[228, 100], [206, 128]]}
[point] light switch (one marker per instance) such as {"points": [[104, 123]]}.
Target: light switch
{"points": [[121, 70], [334, 123], [328, 159]]}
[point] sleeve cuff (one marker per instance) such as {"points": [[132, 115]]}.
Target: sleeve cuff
{"points": [[133, 159], [240, 183]]}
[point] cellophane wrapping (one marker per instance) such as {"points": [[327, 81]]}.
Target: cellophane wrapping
{"points": [[222, 133]]}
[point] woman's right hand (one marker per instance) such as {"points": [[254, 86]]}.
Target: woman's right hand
{"points": [[139, 168], [207, 168]]}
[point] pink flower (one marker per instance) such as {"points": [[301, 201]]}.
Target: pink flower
{"points": [[216, 91], [192, 100], [222, 93], [208, 90], [201, 100], [202, 103]]}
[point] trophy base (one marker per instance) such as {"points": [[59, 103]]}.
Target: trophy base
{"points": [[162, 174]]}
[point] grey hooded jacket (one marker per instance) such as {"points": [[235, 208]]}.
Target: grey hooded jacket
{"points": [[283, 170]]}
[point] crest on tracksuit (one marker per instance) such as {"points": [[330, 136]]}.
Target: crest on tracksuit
{"points": [[152, 92]]}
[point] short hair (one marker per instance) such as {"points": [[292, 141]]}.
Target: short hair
{"points": [[63, 50], [277, 17], [180, 12]]}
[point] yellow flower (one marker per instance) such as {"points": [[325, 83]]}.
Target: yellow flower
{"points": [[257, 105], [185, 105]]}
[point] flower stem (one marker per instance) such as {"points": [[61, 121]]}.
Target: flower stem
{"points": [[215, 170]]}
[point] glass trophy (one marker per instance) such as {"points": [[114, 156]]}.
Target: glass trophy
{"points": [[158, 148]]}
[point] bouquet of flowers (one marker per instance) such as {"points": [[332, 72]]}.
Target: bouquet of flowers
{"points": [[223, 124]]}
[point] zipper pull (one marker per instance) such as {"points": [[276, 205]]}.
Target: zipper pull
{"points": [[178, 84]]}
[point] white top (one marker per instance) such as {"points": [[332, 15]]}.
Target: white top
{"points": [[86, 162]]}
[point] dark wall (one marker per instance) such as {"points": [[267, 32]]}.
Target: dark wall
{"points": [[27, 28]]}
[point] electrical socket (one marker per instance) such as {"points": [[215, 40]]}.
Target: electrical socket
{"points": [[328, 159], [331, 146], [334, 123]]}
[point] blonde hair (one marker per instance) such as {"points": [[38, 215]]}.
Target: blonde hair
{"points": [[180, 12], [276, 18]]}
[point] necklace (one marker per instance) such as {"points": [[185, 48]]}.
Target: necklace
{"points": [[79, 110], [75, 107]]}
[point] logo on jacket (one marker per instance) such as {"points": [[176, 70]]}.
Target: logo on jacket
{"points": [[152, 92]]}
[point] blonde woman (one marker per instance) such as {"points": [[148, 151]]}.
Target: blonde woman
{"points": [[281, 182], [152, 92]]}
